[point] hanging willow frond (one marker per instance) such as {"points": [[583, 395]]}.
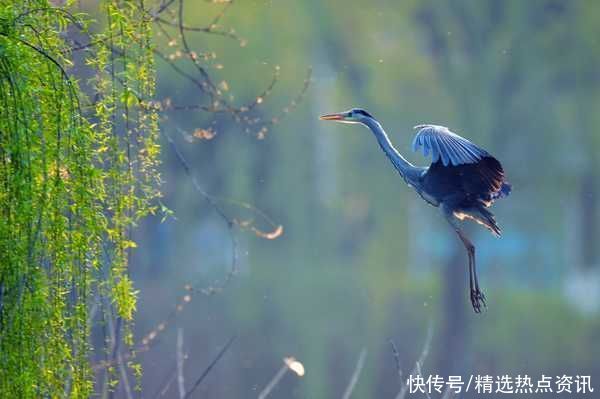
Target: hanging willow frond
{"points": [[73, 183]]}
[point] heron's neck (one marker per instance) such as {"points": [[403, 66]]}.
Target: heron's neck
{"points": [[407, 170]]}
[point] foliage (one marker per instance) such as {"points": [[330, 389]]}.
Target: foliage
{"points": [[76, 175]]}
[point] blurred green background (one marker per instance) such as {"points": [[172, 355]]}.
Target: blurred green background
{"points": [[362, 259]]}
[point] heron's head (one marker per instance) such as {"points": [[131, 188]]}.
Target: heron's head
{"points": [[355, 115]]}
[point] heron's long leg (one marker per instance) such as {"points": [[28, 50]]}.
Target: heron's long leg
{"points": [[477, 297]]}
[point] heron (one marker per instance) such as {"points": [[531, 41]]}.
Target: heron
{"points": [[463, 180]]}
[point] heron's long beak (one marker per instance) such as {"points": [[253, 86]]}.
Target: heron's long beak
{"points": [[333, 117]]}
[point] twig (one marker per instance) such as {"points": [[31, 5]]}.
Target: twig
{"points": [[188, 51], [117, 357], [166, 384], [420, 372], [357, 370], [205, 29], [210, 366], [123, 371], [396, 358], [419, 362], [289, 363], [180, 380], [163, 6], [274, 381]]}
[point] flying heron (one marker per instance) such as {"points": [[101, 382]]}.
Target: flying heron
{"points": [[463, 179]]}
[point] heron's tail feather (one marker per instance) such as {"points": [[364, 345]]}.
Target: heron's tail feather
{"points": [[482, 216]]}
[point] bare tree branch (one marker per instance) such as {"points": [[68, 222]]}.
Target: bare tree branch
{"points": [[170, 377], [396, 359], [210, 366], [289, 363], [357, 370], [416, 369], [274, 381], [180, 360]]}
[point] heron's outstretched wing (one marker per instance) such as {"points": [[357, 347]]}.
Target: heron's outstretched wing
{"points": [[446, 146]]}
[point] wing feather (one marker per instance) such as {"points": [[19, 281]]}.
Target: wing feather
{"points": [[435, 153], [446, 146], [441, 150], [452, 150], [426, 147], [460, 152]]}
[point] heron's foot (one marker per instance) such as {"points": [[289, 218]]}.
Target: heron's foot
{"points": [[477, 300]]}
